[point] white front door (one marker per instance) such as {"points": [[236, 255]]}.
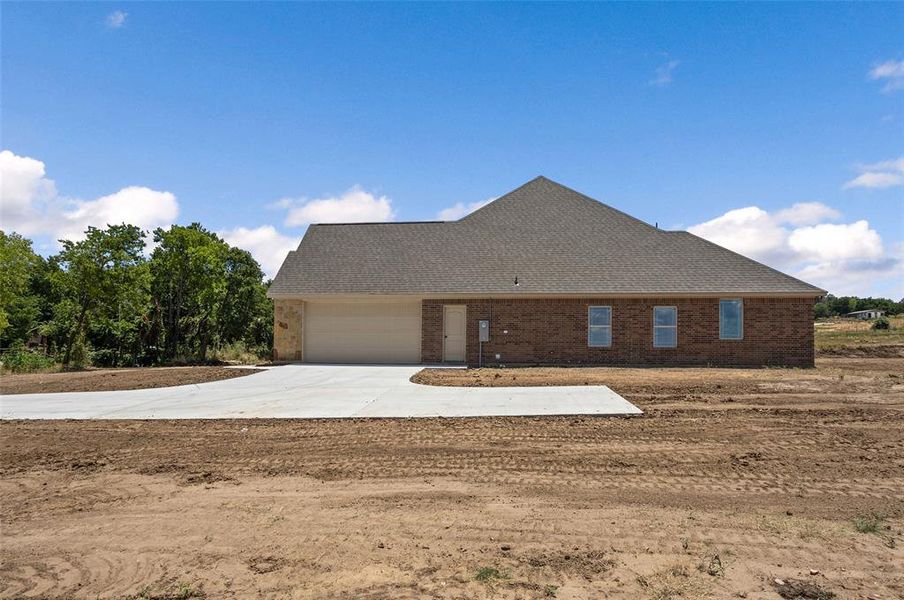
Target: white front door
{"points": [[454, 318]]}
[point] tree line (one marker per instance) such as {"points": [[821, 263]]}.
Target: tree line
{"points": [[834, 306], [106, 301]]}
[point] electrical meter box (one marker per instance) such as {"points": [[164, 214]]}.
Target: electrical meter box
{"points": [[484, 329]]}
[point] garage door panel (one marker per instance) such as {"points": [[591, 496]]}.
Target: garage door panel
{"points": [[362, 332]]}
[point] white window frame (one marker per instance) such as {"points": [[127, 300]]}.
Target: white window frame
{"points": [[655, 326], [740, 336], [590, 327]]}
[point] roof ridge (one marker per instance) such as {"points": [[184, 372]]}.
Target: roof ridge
{"points": [[495, 200], [564, 187], [377, 223], [610, 207]]}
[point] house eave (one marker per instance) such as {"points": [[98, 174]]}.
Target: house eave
{"points": [[535, 295]]}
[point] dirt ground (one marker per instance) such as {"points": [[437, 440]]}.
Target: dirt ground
{"points": [[733, 478], [850, 374], [102, 380]]}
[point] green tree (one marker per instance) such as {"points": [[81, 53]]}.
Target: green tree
{"points": [[19, 308], [102, 293], [118, 330], [248, 315], [833, 306], [103, 286], [258, 333], [188, 270]]}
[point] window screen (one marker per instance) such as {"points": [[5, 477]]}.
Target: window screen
{"points": [[731, 319], [665, 326], [599, 326]]}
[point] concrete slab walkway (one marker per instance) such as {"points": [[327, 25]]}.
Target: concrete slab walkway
{"points": [[318, 391]]}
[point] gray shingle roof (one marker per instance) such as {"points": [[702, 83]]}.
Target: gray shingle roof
{"points": [[553, 239]]}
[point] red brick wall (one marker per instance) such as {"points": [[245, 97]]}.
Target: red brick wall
{"points": [[777, 331]]}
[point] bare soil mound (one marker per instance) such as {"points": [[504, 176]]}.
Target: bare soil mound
{"points": [[104, 380], [865, 351]]}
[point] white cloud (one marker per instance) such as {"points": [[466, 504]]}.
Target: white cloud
{"points": [[880, 175], [876, 180], [828, 242], [895, 164], [282, 203], [134, 205], [32, 206], [881, 277], [116, 19], [751, 231], [22, 183], [844, 258], [460, 209], [663, 74], [354, 206], [268, 246], [891, 72], [807, 213]]}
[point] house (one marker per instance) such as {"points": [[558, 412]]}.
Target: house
{"points": [[873, 313], [557, 277]]}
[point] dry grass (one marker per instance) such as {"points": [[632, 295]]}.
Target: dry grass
{"points": [[839, 333], [238, 354], [675, 581]]}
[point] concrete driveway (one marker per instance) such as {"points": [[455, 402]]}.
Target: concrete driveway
{"points": [[318, 391]]}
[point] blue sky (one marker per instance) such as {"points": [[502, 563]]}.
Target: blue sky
{"points": [[256, 119]]}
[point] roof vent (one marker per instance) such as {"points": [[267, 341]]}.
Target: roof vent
{"points": [[516, 281]]}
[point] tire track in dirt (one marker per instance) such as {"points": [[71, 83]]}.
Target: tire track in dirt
{"points": [[415, 536], [97, 574], [770, 481]]}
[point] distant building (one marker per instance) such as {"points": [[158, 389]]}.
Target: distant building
{"points": [[873, 313]]}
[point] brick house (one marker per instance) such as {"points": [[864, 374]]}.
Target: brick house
{"points": [[556, 277]]}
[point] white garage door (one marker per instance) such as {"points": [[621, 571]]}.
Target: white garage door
{"points": [[362, 332]]}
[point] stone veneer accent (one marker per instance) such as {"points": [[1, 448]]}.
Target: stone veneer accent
{"points": [[777, 331], [288, 325]]}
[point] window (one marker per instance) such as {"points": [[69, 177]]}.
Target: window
{"points": [[731, 319], [665, 326], [599, 326]]}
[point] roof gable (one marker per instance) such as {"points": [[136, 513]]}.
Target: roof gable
{"points": [[553, 239], [543, 205]]}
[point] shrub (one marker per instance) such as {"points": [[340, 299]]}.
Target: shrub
{"points": [[20, 360], [79, 358], [871, 523], [881, 323], [105, 357], [488, 574], [238, 352]]}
